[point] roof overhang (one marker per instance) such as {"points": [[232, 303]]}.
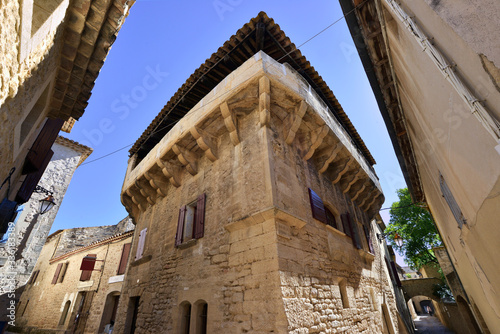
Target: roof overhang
{"points": [[366, 31], [261, 33]]}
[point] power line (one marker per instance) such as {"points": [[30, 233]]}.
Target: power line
{"points": [[228, 91]]}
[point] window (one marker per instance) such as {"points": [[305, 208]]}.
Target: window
{"points": [[368, 239], [343, 293], [140, 244], [320, 212], [201, 317], [87, 274], [191, 223], [33, 277], [185, 320], [448, 196], [64, 268], [351, 229], [124, 259], [64, 314]]}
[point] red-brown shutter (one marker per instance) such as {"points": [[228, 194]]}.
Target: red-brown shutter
{"points": [[199, 224], [368, 239], [41, 146], [32, 179], [317, 207], [124, 259], [345, 224], [140, 244], [56, 274], [87, 274], [180, 225]]}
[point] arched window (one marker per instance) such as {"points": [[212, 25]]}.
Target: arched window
{"points": [[343, 293], [185, 313], [64, 314], [201, 309]]}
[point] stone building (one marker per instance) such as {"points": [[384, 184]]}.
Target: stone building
{"points": [[51, 52], [60, 297], [252, 195], [25, 239], [434, 69]]}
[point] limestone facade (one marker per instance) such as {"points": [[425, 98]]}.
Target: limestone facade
{"points": [[58, 298], [434, 67], [257, 149]]}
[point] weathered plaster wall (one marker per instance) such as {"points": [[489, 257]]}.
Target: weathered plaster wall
{"points": [[447, 138]]}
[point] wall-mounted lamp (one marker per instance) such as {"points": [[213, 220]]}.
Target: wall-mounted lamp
{"points": [[47, 203], [397, 238]]}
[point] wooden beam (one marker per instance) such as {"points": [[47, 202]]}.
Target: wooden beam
{"points": [[333, 154], [264, 101], [206, 142], [171, 172], [231, 123], [187, 158], [295, 120], [260, 30], [317, 138], [343, 170]]}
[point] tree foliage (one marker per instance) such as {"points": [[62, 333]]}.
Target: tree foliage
{"points": [[416, 226]]}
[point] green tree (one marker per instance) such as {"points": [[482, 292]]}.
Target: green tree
{"points": [[416, 226]]}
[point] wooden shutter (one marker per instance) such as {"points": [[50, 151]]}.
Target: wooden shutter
{"points": [[395, 272], [41, 146], [124, 259], [199, 224], [34, 276], [317, 206], [140, 244], [180, 225], [32, 179], [368, 239], [56, 274], [63, 272], [345, 224], [87, 274]]}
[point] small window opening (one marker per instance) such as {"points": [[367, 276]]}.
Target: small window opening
{"points": [[343, 293]]}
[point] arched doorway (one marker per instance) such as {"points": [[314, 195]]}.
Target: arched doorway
{"points": [[109, 311]]}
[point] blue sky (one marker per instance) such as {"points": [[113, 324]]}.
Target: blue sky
{"points": [[160, 45]]}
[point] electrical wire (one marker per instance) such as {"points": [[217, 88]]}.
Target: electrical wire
{"points": [[228, 91]]}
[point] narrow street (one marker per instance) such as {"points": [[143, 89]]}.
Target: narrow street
{"points": [[426, 324]]}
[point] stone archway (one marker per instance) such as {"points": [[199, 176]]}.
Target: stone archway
{"points": [[109, 311], [420, 287]]}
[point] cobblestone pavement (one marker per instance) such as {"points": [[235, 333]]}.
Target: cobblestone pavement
{"points": [[430, 325]]}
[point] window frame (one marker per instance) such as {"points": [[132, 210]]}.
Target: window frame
{"points": [[198, 221]]}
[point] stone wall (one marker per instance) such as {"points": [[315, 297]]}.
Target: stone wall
{"points": [[264, 263]]}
